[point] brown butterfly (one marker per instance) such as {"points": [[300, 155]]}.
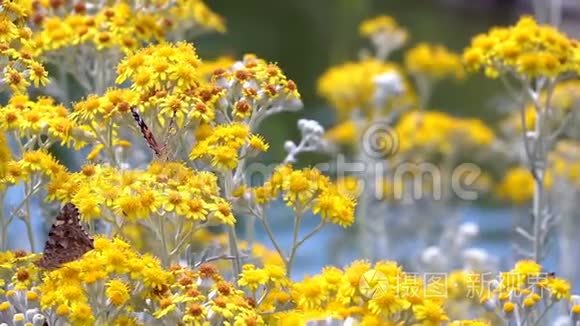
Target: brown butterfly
{"points": [[147, 134], [159, 150], [67, 240]]}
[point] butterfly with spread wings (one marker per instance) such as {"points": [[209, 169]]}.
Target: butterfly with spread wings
{"points": [[67, 240]]}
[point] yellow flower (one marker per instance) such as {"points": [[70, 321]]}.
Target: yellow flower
{"points": [[252, 277], [386, 303], [310, 293], [509, 307], [298, 188], [433, 61], [559, 288], [222, 212], [196, 209], [436, 132], [126, 321], [117, 292], [343, 133], [195, 315], [81, 314], [384, 32], [352, 86], [527, 268], [430, 313], [276, 273], [377, 24], [88, 204], [4, 306], [258, 143], [335, 208]]}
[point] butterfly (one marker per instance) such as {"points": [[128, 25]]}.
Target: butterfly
{"points": [[67, 240], [148, 134], [158, 149]]}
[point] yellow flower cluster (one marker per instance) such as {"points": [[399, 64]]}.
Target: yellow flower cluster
{"points": [[225, 143], [19, 281], [527, 281], [33, 163], [385, 34], [433, 61], [372, 295], [163, 67], [255, 89], [164, 187], [113, 267], [203, 297], [308, 189], [380, 24], [269, 286], [527, 48], [431, 131], [343, 133], [167, 200], [41, 118], [108, 110], [168, 76], [112, 283], [351, 86], [170, 83], [17, 49], [119, 25]]}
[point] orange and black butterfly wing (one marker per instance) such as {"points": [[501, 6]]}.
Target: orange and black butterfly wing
{"points": [[67, 240]]}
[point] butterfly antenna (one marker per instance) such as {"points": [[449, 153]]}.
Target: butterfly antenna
{"points": [[146, 132]]}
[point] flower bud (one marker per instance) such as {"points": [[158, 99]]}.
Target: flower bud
{"points": [[38, 320], [289, 146]]}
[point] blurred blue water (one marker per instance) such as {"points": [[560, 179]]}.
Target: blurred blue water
{"points": [[496, 237], [17, 236]]}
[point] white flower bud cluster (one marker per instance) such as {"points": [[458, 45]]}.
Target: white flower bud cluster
{"points": [[18, 311], [453, 248], [311, 132], [388, 84], [433, 257]]}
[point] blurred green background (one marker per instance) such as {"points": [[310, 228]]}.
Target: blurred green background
{"points": [[306, 37]]}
